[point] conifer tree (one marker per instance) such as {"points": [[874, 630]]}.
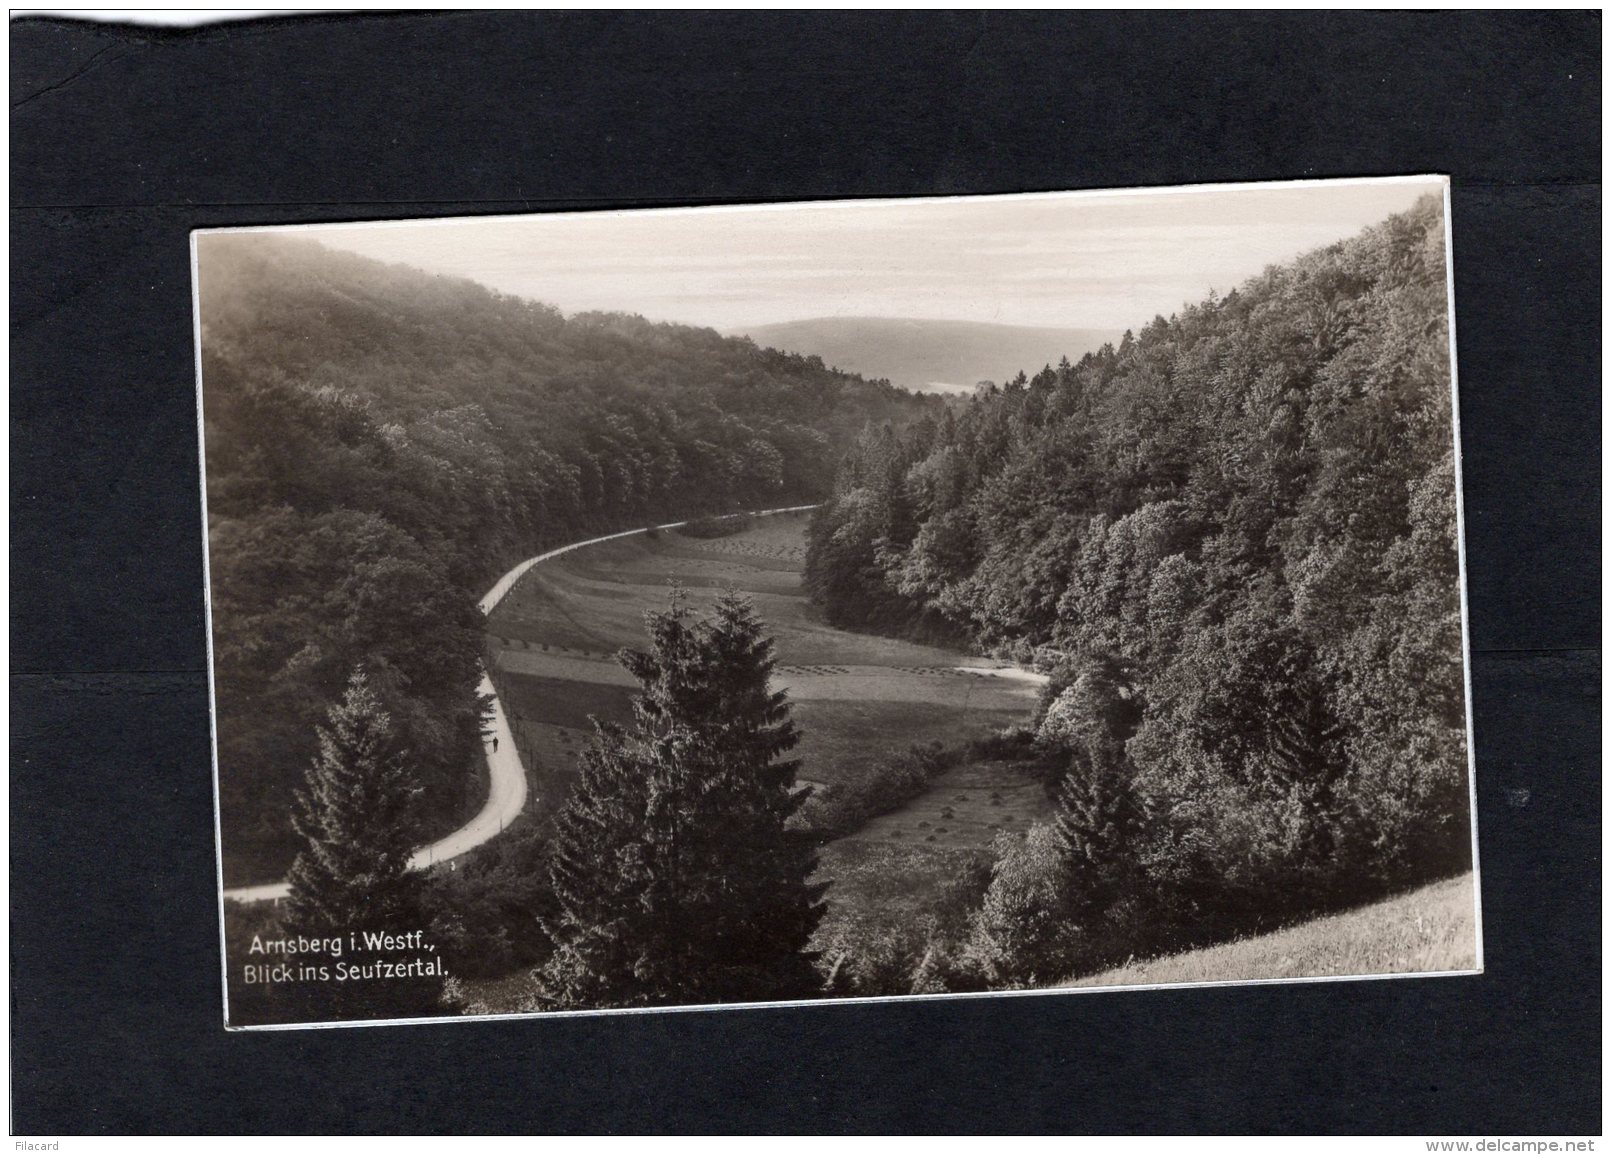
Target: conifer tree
{"points": [[1096, 823], [352, 873], [767, 909], [353, 818], [674, 871]]}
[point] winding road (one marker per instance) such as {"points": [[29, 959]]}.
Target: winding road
{"points": [[506, 796]]}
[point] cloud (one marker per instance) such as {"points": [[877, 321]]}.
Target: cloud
{"points": [[1105, 261]]}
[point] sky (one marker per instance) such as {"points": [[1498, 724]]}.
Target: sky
{"points": [[1064, 260]]}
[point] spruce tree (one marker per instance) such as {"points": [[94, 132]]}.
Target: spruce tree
{"points": [[353, 817], [676, 876], [1096, 822], [597, 878], [766, 910], [352, 873]]}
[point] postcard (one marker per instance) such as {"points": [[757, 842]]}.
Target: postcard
{"points": [[847, 600]]}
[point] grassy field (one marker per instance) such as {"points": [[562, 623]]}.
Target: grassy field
{"points": [[897, 865], [856, 698], [591, 602], [1429, 929]]}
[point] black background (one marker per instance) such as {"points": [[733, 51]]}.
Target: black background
{"points": [[122, 141]]}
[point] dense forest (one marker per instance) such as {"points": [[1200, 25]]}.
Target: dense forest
{"points": [[1230, 541], [382, 442]]}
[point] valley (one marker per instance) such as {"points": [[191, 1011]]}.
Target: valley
{"points": [[856, 698]]}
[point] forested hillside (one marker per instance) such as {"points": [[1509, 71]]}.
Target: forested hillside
{"points": [[381, 443], [1231, 543]]}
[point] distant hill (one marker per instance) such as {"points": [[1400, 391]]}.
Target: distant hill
{"points": [[936, 356]]}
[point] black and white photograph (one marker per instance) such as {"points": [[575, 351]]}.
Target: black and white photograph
{"points": [[944, 597]]}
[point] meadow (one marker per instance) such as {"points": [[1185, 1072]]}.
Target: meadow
{"points": [[856, 698]]}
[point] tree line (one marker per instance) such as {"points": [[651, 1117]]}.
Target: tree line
{"points": [[381, 443], [1230, 542]]}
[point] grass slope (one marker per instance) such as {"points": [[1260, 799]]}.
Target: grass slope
{"points": [[1432, 928]]}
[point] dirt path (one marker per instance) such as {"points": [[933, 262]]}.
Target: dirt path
{"points": [[506, 796]]}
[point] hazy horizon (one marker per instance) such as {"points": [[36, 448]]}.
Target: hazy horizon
{"points": [[1109, 260], [736, 329]]}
